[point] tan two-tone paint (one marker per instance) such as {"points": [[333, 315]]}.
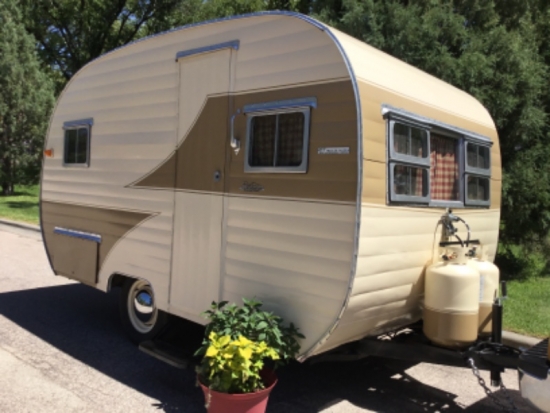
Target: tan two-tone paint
{"points": [[322, 248]]}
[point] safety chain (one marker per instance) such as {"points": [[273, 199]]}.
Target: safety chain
{"points": [[490, 394]]}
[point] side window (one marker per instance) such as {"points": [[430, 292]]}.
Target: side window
{"points": [[409, 162], [435, 166], [278, 136], [478, 174], [76, 149]]}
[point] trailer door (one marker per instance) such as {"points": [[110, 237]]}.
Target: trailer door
{"points": [[205, 83]]}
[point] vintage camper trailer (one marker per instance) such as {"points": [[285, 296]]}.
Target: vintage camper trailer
{"points": [[265, 155]]}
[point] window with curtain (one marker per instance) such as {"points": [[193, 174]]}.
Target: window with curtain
{"points": [[432, 166], [278, 142], [444, 185]]}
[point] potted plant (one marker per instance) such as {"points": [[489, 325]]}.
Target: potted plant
{"points": [[241, 348]]}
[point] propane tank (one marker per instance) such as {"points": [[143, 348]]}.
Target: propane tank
{"points": [[451, 303], [489, 276]]}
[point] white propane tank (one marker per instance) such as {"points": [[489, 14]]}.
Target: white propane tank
{"points": [[488, 290], [451, 302]]}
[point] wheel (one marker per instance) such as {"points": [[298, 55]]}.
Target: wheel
{"points": [[141, 319]]}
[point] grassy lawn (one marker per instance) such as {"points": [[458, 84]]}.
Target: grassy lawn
{"points": [[527, 310], [22, 206]]}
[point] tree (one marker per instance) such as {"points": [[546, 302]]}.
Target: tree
{"points": [[26, 99], [71, 33]]}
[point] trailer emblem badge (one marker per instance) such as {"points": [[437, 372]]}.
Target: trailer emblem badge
{"points": [[343, 150], [251, 187]]}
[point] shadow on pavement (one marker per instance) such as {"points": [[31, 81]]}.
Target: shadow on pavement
{"points": [[83, 323]]}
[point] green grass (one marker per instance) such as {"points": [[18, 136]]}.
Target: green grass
{"points": [[22, 206], [527, 310]]}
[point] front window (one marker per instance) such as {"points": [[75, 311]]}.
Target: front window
{"points": [[433, 166]]}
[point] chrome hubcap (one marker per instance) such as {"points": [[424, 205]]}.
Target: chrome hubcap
{"points": [[141, 307]]}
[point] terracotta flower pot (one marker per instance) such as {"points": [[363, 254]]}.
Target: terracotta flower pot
{"points": [[240, 403]]}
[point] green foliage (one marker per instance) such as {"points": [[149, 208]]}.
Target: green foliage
{"points": [[527, 308], [234, 366], [522, 263], [22, 205], [70, 33], [26, 100], [250, 321]]}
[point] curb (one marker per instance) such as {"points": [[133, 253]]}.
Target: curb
{"points": [[18, 224], [517, 340]]}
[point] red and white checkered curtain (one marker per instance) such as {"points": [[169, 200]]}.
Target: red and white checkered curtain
{"points": [[444, 168]]}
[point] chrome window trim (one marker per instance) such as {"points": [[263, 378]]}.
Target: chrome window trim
{"points": [[280, 104], [73, 124], [407, 198], [476, 202], [89, 236], [302, 168], [392, 112], [233, 44], [446, 204]]}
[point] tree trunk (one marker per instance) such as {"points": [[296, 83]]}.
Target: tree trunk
{"points": [[7, 181]]}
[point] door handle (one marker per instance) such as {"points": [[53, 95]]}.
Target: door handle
{"points": [[217, 176]]}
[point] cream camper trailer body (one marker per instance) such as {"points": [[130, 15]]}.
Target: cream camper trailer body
{"points": [[264, 156]]}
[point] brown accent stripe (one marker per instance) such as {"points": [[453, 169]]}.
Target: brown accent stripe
{"points": [[206, 150], [111, 224]]}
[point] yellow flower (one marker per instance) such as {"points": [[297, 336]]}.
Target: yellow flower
{"points": [[245, 353], [224, 341], [211, 351]]}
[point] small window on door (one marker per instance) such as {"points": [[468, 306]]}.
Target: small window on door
{"points": [[77, 143], [278, 141]]}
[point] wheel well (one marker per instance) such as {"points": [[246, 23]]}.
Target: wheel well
{"points": [[117, 280]]}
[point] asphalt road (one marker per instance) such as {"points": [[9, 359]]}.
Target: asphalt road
{"points": [[62, 350]]}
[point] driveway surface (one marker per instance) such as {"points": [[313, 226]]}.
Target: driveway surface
{"points": [[62, 350]]}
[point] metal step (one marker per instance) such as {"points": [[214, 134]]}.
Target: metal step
{"points": [[167, 352]]}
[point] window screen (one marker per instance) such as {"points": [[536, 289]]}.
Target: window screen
{"points": [[410, 141], [477, 188], [278, 141], [410, 180], [264, 129], [76, 145], [478, 156]]}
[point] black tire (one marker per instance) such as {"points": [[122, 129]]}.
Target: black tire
{"points": [[139, 326]]}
